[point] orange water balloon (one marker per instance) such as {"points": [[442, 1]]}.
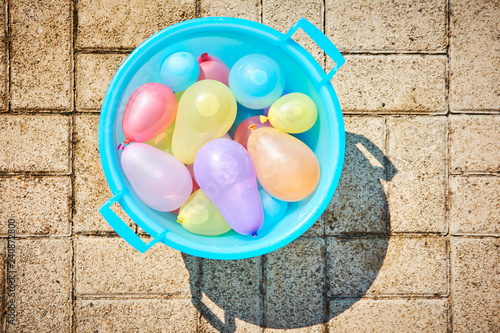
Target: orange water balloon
{"points": [[286, 167]]}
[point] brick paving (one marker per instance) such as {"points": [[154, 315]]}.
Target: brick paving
{"points": [[410, 241]]}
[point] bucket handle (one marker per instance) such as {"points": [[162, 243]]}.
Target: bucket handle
{"points": [[122, 229], [321, 40]]}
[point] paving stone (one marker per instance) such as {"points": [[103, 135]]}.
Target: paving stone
{"points": [[474, 205], [231, 295], [395, 83], [40, 56], [126, 24], [122, 269], [93, 75], [417, 194], [246, 9], [40, 205], [367, 315], [140, 315], [91, 189], [353, 265], [475, 284], [474, 143], [400, 266], [43, 285], [359, 203], [387, 26], [474, 55], [34, 143], [282, 15], [294, 285]]}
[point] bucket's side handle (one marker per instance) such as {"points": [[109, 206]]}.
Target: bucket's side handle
{"points": [[123, 229], [323, 42]]}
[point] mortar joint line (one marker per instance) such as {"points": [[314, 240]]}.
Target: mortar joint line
{"points": [[449, 318], [8, 46], [74, 26], [199, 295], [8, 98], [386, 183], [261, 13], [263, 292]]}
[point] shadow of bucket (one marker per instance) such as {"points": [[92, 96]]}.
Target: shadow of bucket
{"points": [[233, 293]]}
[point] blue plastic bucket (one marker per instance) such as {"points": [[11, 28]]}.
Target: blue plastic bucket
{"points": [[229, 39]]}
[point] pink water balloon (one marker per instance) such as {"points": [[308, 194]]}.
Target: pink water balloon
{"points": [[159, 179], [246, 127], [150, 110], [225, 173], [213, 68]]}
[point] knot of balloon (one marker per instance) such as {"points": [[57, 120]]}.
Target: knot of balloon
{"points": [[204, 57], [121, 146], [263, 119]]}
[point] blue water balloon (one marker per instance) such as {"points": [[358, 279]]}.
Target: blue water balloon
{"points": [[274, 209], [256, 81], [179, 71]]}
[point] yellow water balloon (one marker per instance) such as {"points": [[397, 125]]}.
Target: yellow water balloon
{"points": [[163, 141], [200, 216], [285, 166], [207, 110], [292, 113]]}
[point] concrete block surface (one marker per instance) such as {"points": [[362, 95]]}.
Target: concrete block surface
{"points": [[474, 143], [475, 282], [39, 205], [126, 24], [417, 194], [40, 59], [474, 205], [43, 290], [35, 143], [231, 295], [387, 26], [140, 315], [93, 75], [359, 204], [122, 269], [474, 55], [394, 315], [398, 266], [246, 9], [294, 285], [392, 83]]}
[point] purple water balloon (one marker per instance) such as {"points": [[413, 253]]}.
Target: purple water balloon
{"points": [[225, 173], [158, 178]]}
